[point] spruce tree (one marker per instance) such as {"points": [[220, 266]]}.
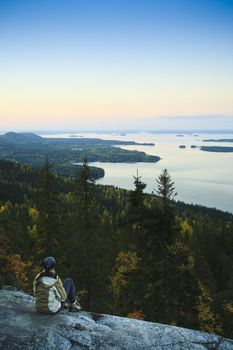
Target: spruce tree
{"points": [[48, 207], [87, 240], [155, 252], [128, 291], [166, 189], [136, 212], [137, 196]]}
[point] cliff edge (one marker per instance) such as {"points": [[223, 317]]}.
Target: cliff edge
{"points": [[22, 328]]}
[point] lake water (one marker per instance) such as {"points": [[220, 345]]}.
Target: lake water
{"points": [[200, 177]]}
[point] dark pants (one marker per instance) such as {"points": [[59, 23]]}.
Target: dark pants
{"points": [[70, 289]]}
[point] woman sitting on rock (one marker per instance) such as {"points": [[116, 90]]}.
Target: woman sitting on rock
{"points": [[50, 295]]}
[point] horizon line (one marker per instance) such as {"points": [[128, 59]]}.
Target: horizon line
{"points": [[65, 131]]}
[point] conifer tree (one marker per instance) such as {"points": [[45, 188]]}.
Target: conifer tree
{"points": [[166, 189], [88, 249], [137, 196], [154, 251], [136, 213], [48, 207]]}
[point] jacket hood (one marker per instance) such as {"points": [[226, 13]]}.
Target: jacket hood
{"points": [[48, 282]]}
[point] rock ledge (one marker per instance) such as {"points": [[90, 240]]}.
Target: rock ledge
{"points": [[22, 328]]}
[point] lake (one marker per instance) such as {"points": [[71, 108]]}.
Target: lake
{"points": [[200, 177]]}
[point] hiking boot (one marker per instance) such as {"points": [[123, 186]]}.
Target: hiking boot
{"points": [[67, 305], [75, 306]]}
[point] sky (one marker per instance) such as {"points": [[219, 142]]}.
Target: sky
{"points": [[86, 64]]}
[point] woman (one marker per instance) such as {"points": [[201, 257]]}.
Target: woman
{"points": [[50, 295]]}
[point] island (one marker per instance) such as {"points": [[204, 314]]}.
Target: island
{"points": [[65, 153], [217, 149], [218, 140]]}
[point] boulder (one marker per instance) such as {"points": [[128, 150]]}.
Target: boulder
{"points": [[21, 327]]}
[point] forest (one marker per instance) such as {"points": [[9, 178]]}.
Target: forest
{"points": [[145, 256]]}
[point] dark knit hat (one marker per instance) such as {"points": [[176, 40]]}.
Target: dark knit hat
{"points": [[48, 263]]}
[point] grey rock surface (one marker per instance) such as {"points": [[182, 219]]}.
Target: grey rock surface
{"points": [[21, 327]]}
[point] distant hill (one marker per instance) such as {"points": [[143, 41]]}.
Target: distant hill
{"points": [[14, 137]]}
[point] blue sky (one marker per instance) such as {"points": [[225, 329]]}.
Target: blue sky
{"points": [[88, 62]]}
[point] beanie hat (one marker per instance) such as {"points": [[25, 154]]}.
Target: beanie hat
{"points": [[48, 263]]}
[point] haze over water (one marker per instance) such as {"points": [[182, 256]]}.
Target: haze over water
{"points": [[200, 177]]}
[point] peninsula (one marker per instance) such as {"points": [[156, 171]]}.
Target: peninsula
{"points": [[64, 153]]}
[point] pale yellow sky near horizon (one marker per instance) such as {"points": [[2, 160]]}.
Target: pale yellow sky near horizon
{"points": [[35, 107], [114, 64]]}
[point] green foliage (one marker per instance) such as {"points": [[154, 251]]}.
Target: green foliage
{"points": [[122, 282], [166, 187], [90, 241], [48, 218], [66, 154], [129, 253], [136, 197]]}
